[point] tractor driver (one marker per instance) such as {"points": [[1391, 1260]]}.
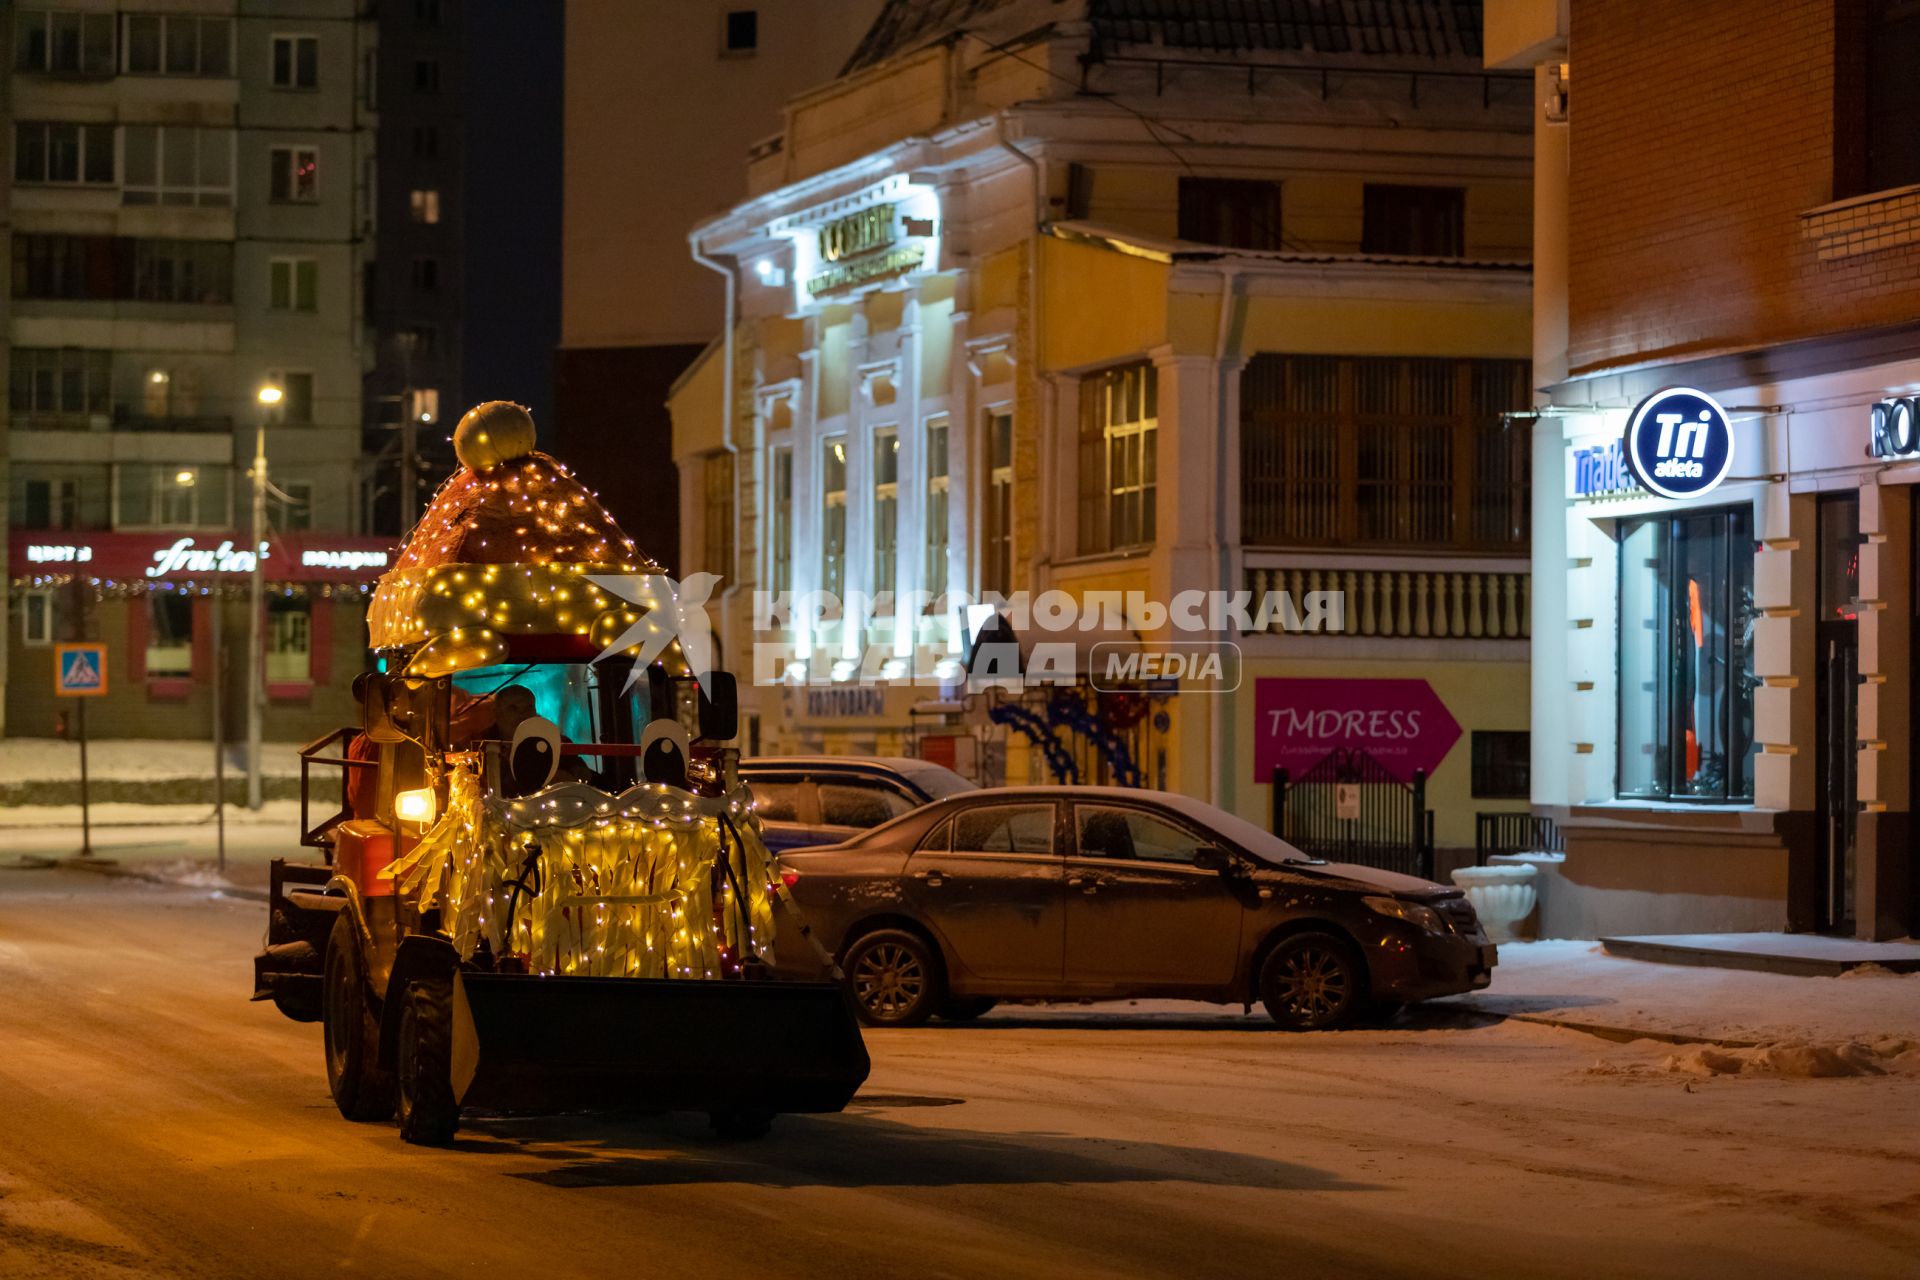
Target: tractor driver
{"points": [[513, 706]]}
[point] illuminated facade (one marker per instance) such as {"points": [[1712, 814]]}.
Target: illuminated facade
{"points": [[1230, 320]]}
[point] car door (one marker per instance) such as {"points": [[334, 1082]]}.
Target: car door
{"points": [[988, 881], [1139, 913]]}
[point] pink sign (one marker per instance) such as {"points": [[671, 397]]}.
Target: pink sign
{"points": [[1401, 723]]}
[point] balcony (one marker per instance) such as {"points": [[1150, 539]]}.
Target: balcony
{"points": [[124, 421], [1481, 603]]}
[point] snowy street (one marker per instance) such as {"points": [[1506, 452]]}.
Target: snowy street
{"points": [[156, 1123]]}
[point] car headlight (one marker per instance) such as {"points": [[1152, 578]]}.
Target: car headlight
{"points": [[1412, 912]]}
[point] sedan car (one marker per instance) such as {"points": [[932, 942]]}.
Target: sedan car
{"points": [[1106, 892], [807, 800]]}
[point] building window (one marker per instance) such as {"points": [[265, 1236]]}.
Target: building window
{"points": [[296, 509], [292, 284], [1891, 98], [74, 44], [51, 504], [833, 522], [1340, 450], [178, 166], [109, 268], [740, 34], [1235, 213], [296, 62], [179, 45], [1501, 764], [425, 404], [166, 495], [423, 205], [426, 141], [426, 13], [886, 509], [63, 154], [780, 521], [289, 640], [996, 569], [426, 274], [426, 75], [169, 635], [59, 386], [36, 617], [1119, 434], [1686, 656], [294, 175], [296, 396], [198, 271], [1425, 222], [938, 488], [717, 491]]}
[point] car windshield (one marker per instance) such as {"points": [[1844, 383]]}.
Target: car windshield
{"points": [[588, 701]]}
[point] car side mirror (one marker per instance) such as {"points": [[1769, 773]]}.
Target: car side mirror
{"points": [[1212, 857]]}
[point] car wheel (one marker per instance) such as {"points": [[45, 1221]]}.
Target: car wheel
{"points": [[350, 1032], [894, 978], [428, 1113], [1312, 982], [964, 1010]]}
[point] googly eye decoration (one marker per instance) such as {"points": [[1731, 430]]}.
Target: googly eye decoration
{"points": [[533, 757], [663, 753]]}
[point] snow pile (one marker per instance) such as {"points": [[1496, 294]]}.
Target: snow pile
{"points": [[1802, 1059]]}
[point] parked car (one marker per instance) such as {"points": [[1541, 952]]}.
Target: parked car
{"points": [[810, 800], [1106, 892]]}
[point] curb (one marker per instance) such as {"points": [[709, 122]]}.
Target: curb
{"points": [[1627, 1035], [115, 870]]}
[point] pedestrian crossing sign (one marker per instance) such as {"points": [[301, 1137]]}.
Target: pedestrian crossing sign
{"points": [[80, 670]]}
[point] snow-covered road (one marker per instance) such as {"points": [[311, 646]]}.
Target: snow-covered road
{"points": [[152, 1122]]}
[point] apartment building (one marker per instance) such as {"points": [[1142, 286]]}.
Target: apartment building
{"points": [[187, 208]]}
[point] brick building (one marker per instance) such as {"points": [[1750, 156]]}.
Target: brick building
{"points": [[1722, 660]]}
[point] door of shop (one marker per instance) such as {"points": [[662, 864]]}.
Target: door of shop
{"points": [[1837, 649]]}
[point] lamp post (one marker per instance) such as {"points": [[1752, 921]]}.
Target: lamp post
{"points": [[269, 397]]}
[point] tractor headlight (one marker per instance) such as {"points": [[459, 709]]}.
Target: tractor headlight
{"points": [[1412, 912], [417, 807]]}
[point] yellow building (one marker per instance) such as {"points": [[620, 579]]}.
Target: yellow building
{"points": [[1098, 307]]}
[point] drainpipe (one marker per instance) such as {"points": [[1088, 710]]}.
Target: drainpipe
{"points": [[1222, 544], [731, 271], [1042, 391]]}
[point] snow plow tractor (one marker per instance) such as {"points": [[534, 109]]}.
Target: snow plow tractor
{"points": [[544, 887]]}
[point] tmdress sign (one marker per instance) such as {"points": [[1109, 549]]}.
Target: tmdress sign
{"points": [[1401, 723]]}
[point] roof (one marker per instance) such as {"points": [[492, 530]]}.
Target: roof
{"points": [[1364, 28]]}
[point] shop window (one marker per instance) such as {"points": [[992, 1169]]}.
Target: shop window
{"points": [[289, 640], [717, 508], [1235, 213], [292, 284], [423, 204], [50, 504], [1425, 222], [1501, 765], [996, 572], [1686, 656], [780, 522], [1352, 450], [169, 635], [886, 508], [293, 175], [1119, 436], [36, 617], [63, 154], [63, 43], [296, 62], [59, 386], [938, 485], [740, 33], [175, 165], [179, 45], [833, 522]]}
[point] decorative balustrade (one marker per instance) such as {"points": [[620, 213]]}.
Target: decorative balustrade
{"points": [[1434, 604]]}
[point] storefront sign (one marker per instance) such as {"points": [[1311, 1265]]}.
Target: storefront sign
{"points": [[168, 555], [858, 701], [891, 229], [1298, 723], [1895, 428], [1602, 471], [1679, 443]]}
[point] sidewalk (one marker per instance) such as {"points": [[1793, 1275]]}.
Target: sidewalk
{"points": [[175, 844], [141, 771]]}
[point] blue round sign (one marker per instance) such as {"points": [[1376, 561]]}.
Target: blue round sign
{"points": [[1679, 443]]}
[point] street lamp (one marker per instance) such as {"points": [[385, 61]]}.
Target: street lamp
{"points": [[269, 397]]}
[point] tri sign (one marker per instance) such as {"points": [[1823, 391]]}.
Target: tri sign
{"points": [[1679, 443]]}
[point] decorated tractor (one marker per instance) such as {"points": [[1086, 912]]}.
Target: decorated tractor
{"points": [[544, 888]]}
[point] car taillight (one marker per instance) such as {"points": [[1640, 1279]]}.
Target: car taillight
{"points": [[789, 877]]}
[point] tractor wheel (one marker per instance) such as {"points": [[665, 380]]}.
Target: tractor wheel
{"points": [[741, 1125], [428, 1113], [351, 1032]]}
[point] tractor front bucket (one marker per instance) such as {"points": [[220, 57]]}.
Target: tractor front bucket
{"points": [[524, 1043]]}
